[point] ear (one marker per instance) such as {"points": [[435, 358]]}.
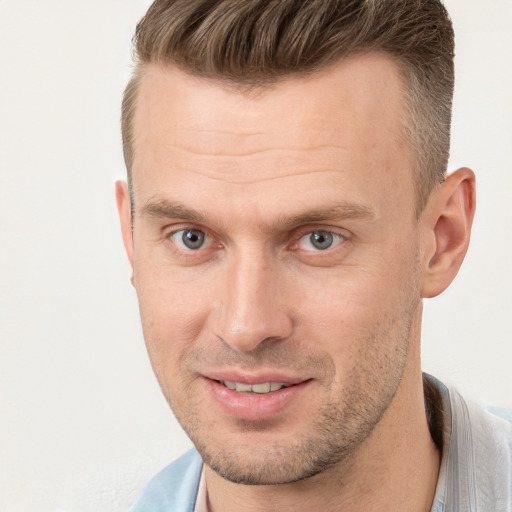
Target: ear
{"points": [[125, 216], [447, 219]]}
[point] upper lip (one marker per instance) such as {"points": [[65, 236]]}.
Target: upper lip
{"points": [[246, 377]]}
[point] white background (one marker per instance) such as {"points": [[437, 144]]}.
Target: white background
{"points": [[82, 422]]}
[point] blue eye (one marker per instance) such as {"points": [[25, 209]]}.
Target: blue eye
{"points": [[190, 239], [320, 241]]}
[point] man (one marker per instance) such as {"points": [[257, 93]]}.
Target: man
{"points": [[287, 210]]}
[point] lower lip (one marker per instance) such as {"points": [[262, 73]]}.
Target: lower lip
{"points": [[254, 406]]}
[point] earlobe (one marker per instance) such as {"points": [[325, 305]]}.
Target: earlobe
{"points": [[448, 219], [125, 217]]}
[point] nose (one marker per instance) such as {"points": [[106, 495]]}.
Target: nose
{"points": [[253, 309]]}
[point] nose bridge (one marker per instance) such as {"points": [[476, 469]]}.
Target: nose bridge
{"points": [[252, 310]]}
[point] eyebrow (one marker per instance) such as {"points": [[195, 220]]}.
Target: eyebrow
{"points": [[337, 212], [165, 209]]}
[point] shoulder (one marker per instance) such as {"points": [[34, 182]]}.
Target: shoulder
{"points": [[487, 432], [476, 464], [499, 420], [480, 454], [504, 414], [489, 424], [174, 488]]}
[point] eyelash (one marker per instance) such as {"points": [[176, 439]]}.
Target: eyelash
{"points": [[206, 237], [189, 253], [339, 240]]}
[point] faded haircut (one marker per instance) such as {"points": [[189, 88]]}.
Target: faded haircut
{"points": [[255, 43]]}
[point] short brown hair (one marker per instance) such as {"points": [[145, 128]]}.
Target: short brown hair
{"points": [[253, 43]]}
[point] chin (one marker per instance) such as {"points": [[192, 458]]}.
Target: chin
{"points": [[263, 460], [272, 468]]}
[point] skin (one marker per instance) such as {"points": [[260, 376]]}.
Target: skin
{"points": [[257, 173]]}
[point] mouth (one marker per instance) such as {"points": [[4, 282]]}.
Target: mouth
{"points": [[260, 398], [260, 389]]}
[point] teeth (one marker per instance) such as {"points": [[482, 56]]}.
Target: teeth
{"points": [[243, 387], [262, 388]]}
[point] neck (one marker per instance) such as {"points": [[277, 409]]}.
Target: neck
{"points": [[395, 468]]}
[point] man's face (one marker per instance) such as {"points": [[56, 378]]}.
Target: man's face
{"points": [[275, 244]]}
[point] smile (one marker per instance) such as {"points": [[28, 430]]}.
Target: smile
{"points": [[261, 388], [261, 400]]}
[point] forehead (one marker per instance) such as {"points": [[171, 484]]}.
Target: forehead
{"points": [[346, 120]]}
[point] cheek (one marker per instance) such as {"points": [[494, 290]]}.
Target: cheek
{"points": [[169, 295], [173, 313], [339, 300], [341, 308]]}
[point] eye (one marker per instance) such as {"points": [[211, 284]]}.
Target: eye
{"points": [[320, 241], [190, 239]]}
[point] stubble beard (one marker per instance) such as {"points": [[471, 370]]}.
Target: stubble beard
{"points": [[253, 456], [331, 439], [329, 442]]}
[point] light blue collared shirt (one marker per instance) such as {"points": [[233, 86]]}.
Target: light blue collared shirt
{"points": [[475, 473]]}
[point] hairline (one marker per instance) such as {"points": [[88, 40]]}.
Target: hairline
{"points": [[409, 117]]}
